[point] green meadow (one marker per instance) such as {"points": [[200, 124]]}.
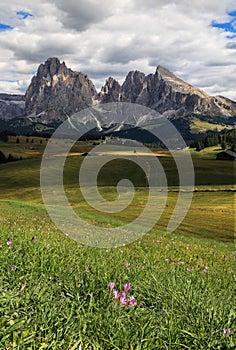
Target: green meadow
{"points": [[54, 292]]}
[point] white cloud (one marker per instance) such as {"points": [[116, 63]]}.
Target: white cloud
{"points": [[111, 38], [13, 87]]}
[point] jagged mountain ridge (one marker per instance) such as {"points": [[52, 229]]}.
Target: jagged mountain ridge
{"points": [[57, 92], [167, 94]]}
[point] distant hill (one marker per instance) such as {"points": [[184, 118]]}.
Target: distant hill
{"points": [[56, 93], [11, 106]]}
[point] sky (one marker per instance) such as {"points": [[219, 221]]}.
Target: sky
{"points": [[194, 39]]}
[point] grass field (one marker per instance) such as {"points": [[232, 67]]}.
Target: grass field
{"points": [[198, 126], [54, 292]]}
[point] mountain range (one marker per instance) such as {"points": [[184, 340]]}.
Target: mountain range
{"points": [[57, 92]]}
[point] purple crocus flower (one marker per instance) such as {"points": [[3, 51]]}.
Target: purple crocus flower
{"points": [[124, 301], [127, 287], [111, 285], [122, 295], [14, 268], [116, 294], [132, 301]]}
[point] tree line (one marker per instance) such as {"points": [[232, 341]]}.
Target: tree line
{"points": [[225, 138], [9, 158], [4, 136]]}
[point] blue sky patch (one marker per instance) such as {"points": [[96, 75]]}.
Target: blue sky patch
{"points": [[5, 27], [9, 81], [231, 36], [232, 13], [23, 14], [227, 26]]}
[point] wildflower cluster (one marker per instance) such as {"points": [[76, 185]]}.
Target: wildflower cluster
{"points": [[121, 296]]}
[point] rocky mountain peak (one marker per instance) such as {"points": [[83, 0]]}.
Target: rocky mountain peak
{"points": [[57, 91], [134, 76], [51, 67], [178, 84], [110, 92], [132, 86], [111, 83], [164, 72]]}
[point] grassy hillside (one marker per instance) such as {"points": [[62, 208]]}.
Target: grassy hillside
{"points": [[201, 126], [212, 200], [54, 292]]}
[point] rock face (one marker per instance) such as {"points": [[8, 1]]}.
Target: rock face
{"points": [[57, 91], [167, 94], [11, 106], [110, 92], [133, 87]]}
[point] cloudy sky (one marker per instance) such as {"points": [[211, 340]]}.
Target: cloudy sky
{"points": [[194, 39]]}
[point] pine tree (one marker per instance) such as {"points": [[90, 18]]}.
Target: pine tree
{"points": [[223, 145]]}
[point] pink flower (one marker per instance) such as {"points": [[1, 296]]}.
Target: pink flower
{"points": [[127, 287], [111, 285], [122, 295], [9, 243], [181, 263], [227, 332], [127, 265], [116, 294], [14, 268], [48, 246], [188, 269], [90, 268], [132, 301], [124, 301], [206, 268], [119, 295]]}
